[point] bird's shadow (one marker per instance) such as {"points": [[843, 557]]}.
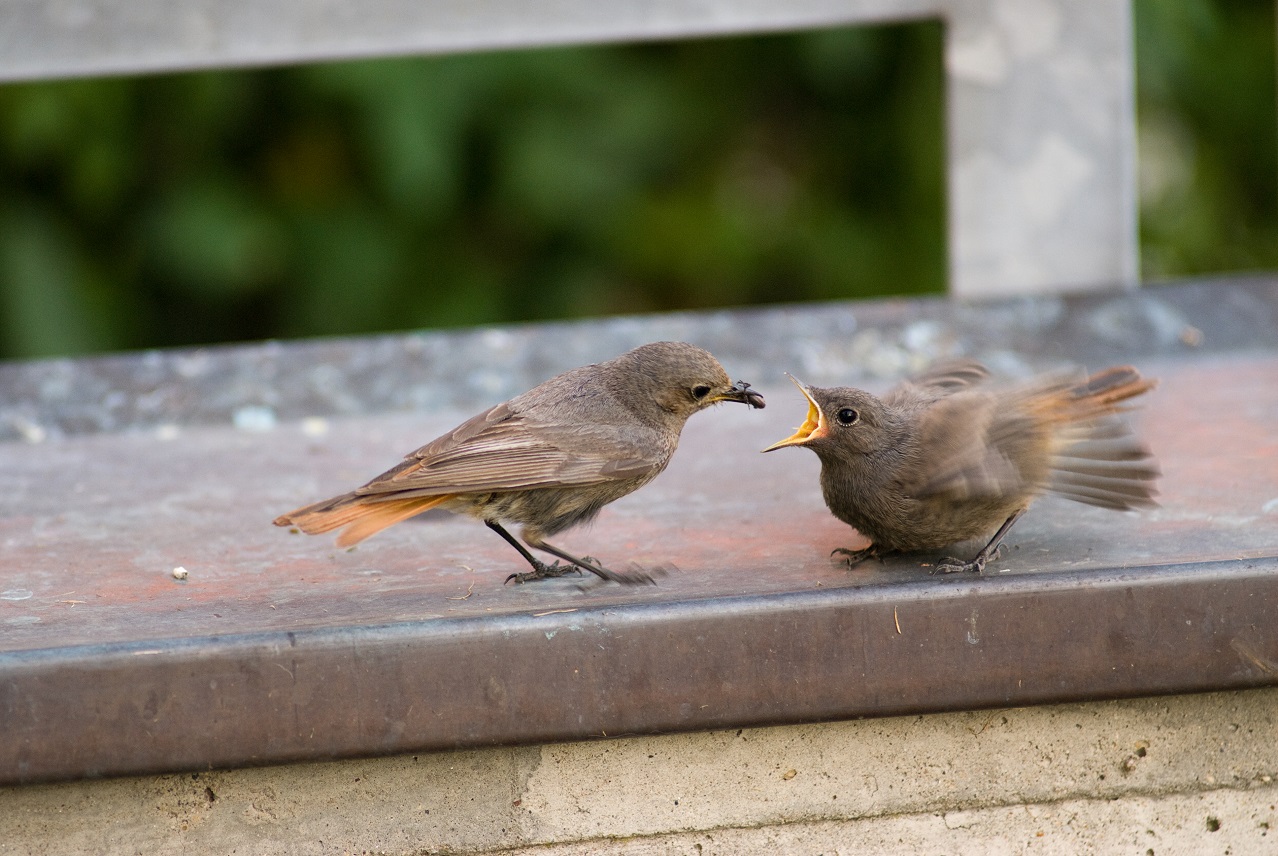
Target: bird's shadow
{"points": [[432, 516]]}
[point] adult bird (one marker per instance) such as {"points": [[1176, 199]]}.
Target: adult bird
{"points": [[548, 459]]}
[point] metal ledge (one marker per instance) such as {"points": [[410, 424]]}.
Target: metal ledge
{"points": [[279, 648], [601, 672]]}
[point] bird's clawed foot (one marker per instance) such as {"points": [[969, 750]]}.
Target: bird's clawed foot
{"points": [[542, 571], [855, 557], [637, 576], [951, 565]]}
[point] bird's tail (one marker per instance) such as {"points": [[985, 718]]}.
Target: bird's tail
{"points": [[1099, 460], [362, 515], [1104, 391]]}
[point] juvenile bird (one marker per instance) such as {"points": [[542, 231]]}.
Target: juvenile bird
{"points": [[548, 459], [942, 458]]}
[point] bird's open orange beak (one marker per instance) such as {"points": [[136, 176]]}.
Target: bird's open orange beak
{"points": [[813, 426]]}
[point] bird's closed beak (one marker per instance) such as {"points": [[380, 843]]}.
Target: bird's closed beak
{"points": [[741, 392], [813, 426]]}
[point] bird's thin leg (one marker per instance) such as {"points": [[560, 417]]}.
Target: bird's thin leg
{"points": [[540, 570], [635, 579], [950, 565], [856, 557]]}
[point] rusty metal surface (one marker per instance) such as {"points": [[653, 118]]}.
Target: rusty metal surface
{"points": [[279, 647]]}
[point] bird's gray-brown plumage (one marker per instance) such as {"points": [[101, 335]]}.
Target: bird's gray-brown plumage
{"points": [[548, 459], [943, 458]]}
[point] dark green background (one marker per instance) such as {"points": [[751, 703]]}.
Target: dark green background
{"points": [[406, 193]]}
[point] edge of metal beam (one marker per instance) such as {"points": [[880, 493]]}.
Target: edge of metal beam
{"points": [[923, 646], [39, 40]]}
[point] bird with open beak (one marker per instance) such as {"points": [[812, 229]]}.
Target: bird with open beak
{"points": [[942, 458], [548, 459]]}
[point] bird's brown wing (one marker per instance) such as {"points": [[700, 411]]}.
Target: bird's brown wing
{"points": [[966, 449], [502, 450], [941, 379], [950, 376]]}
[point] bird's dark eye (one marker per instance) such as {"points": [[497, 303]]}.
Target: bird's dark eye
{"points": [[700, 391], [847, 416]]}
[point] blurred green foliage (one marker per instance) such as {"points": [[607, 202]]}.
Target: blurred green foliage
{"points": [[393, 194], [1207, 102]]}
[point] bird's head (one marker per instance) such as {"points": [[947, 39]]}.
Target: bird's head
{"points": [[840, 419], [682, 379]]}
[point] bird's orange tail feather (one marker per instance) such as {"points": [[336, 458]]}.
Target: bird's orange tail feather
{"points": [[361, 516]]}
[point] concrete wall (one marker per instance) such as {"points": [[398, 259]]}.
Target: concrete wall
{"points": [[1172, 775]]}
